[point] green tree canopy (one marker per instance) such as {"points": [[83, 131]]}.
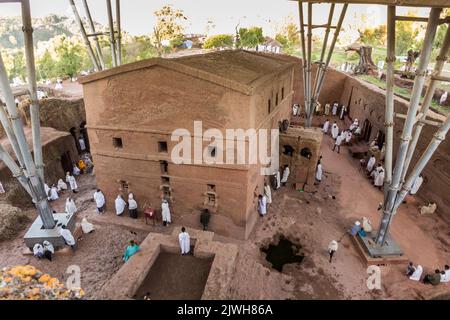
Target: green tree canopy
{"points": [[373, 36], [168, 26], [289, 37], [218, 41], [251, 37]]}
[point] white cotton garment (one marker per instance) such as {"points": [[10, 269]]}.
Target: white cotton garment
{"points": [[185, 242], [120, 205], [70, 206], [165, 211], [99, 199], [319, 172]]}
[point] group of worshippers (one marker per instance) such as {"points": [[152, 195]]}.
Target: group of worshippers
{"points": [[44, 250], [335, 109], [54, 191], [375, 173], [120, 205], [340, 137], [435, 278]]}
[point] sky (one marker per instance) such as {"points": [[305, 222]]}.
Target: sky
{"points": [[137, 15]]}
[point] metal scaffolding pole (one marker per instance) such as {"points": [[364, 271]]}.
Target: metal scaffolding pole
{"points": [[119, 34], [85, 37], [308, 106], [111, 34], [389, 109], [94, 35], [36, 184], [15, 170], [31, 75], [438, 137], [438, 67], [408, 126]]}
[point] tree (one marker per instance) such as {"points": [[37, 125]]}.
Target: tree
{"points": [[406, 33], [17, 66], [373, 36], [70, 57], [288, 36], [251, 37], [46, 66], [168, 26], [218, 41]]}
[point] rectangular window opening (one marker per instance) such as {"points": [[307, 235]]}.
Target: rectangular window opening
{"points": [[162, 146], [117, 142]]}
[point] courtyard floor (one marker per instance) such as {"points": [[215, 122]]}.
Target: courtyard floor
{"points": [[310, 220]]}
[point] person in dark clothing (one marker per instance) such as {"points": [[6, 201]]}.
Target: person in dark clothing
{"points": [[434, 278], [410, 269], [204, 218]]}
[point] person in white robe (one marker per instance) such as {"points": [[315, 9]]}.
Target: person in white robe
{"points": [[358, 131], [354, 125], [334, 130], [70, 179], [47, 190], [417, 274], [445, 274], [165, 212], [99, 200], [295, 110], [327, 109], [332, 248], [416, 185], [348, 137], [70, 206], [68, 237], [54, 193], [277, 179], [319, 172], [49, 250], [338, 143], [344, 135], [334, 109], [185, 241], [268, 192], [61, 185], [286, 173], [378, 177], [343, 111], [262, 205], [325, 127], [2, 190], [370, 164], [120, 205], [132, 206], [86, 226], [38, 251], [76, 171]]}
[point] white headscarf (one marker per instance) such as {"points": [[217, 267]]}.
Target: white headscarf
{"points": [[417, 274]]}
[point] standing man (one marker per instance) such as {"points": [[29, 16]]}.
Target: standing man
{"points": [[165, 212], [325, 127], [338, 143], [120, 205], [70, 206], [332, 248], [70, 179], [262, 205], [334, 109], [286, 173], [370, 164], [132, 206], [276, 179], [343, 112], [204, 218], [378, 176], [319, 172], [334, 130], [268, 193], [99, 200], [327, 109], [185, 242]]}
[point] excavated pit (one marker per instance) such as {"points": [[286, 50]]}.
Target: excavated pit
{"points": [[281, 252]]}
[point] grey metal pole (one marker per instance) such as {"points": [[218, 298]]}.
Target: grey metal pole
{"points": [[31, 75], [438, 137], [309, 67], [389, 109], [15, 170], [92, 28], [111, 34], [36, 184], [330, 51], [119, 34], [84, 35], [438, 67], [10, 134], [408, 126]]}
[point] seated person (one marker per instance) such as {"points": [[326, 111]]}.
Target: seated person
{"points": [[445, 274], [130, 250], [38, 251], [433, 279], [49, 250], [410, 269]]}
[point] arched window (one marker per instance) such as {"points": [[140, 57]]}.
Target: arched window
{"points": [[288, 150], [306, 152]]}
